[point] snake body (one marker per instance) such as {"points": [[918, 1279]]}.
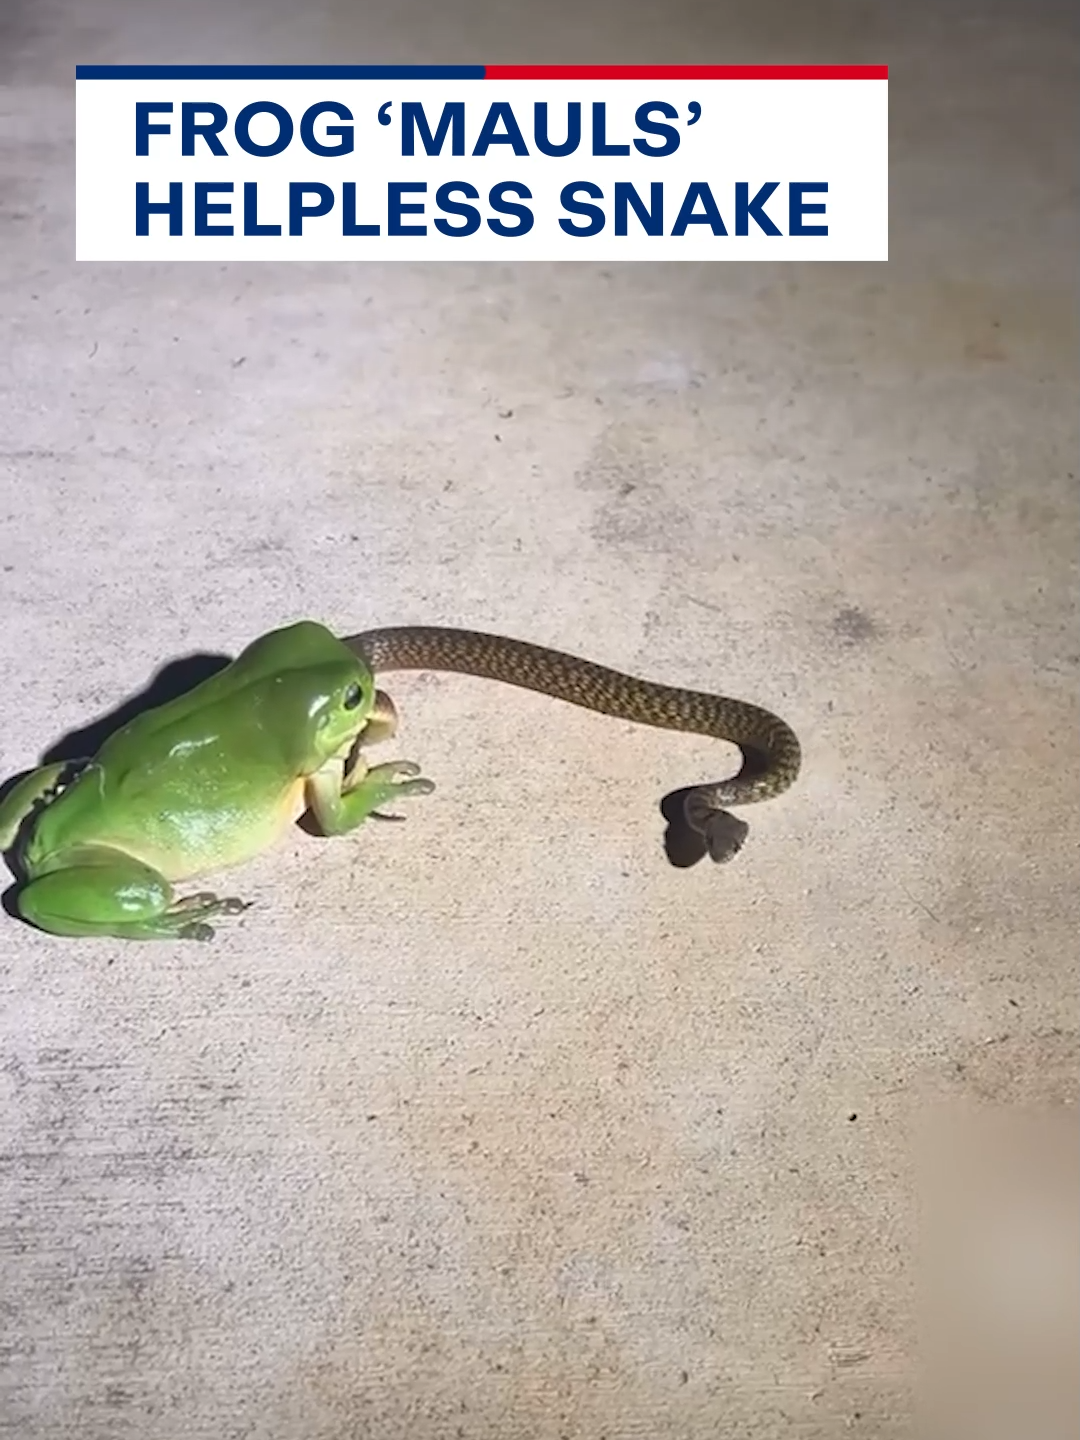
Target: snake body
{"points": [[771, 752]]}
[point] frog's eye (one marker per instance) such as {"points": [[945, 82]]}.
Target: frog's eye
{"points": [[353, 695]]}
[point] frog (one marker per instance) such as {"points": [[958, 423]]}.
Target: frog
{"points": [[204, 782]]}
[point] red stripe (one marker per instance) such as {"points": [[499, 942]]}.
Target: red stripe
{"points": [[686, 72]]}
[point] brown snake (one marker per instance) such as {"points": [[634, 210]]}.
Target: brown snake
{"points": [[771, 753]]}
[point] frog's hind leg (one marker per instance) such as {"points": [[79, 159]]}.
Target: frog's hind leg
{"points": [[24, 796], [101, 892]]}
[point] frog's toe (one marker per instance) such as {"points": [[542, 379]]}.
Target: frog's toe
{"points": [[198, 901], [196, 930], [193, 910], [421, 786], [395, 780]]}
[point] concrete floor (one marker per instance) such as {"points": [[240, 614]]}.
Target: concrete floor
{"points": [[494, 1125]]}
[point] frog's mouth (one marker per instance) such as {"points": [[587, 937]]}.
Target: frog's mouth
{"points": [[382, 720], [379, 726]]}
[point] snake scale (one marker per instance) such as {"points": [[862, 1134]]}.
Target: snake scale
{"points": [[770, 748]]}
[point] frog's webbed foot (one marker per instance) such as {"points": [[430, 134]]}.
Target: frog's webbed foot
{"points": [[341, 803], [100, 892], [190, 914], [384, 784]]}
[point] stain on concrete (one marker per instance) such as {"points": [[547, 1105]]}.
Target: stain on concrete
{"points": [[20, 23], [853, 626], [638, 512]]}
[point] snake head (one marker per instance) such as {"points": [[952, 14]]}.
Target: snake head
{"points": [[724, 834]]}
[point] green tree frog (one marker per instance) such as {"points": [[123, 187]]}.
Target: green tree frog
{"points": [[201, 783]]}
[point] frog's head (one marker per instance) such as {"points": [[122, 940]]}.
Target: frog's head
{"points": [[340, 704]]}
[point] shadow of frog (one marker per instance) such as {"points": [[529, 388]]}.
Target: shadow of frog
{"points": [[177, 678]]}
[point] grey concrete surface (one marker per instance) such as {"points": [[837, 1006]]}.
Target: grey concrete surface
{"points": [[493, 1124]]}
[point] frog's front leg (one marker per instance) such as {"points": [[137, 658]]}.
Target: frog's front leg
{"points": [[341, 801], [380, 726], [96, 891]]}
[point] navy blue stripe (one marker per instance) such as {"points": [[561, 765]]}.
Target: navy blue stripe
{"points": [[279, 72]]}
